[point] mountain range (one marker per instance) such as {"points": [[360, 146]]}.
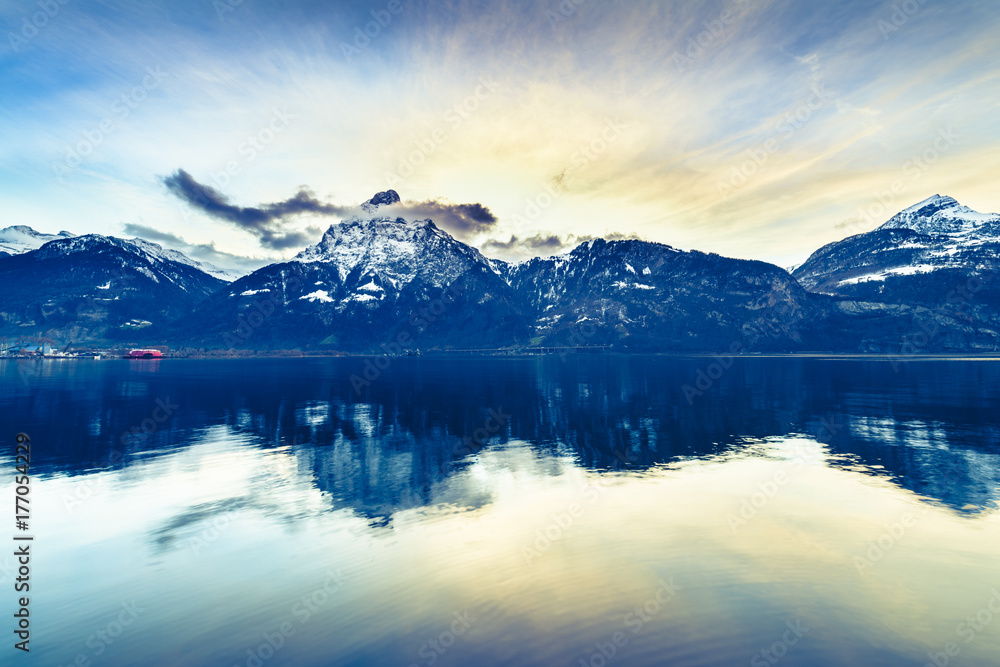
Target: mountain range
{"points": [[378, 283]]}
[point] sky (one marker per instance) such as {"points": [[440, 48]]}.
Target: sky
{"points": [[237, 131]]}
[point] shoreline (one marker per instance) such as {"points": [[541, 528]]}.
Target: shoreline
{"points": [[875, 356]]}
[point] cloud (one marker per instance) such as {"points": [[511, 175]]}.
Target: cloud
{"points": [[544, 243], [355, 120], [548, 244], [262, 221], [615, 236], [536, 242], [202, 252], [463, 220]]}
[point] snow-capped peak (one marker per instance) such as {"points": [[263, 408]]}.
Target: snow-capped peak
{"points": [[935, 201], [386, 198], [151, 253], [21, 238], [940, 215], [381, 243]]}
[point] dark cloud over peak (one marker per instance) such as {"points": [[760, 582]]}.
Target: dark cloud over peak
{"points": [[263, 221], [463, 220], [266, 221]]}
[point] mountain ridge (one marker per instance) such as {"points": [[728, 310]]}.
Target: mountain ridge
{"points": [[376, 278]]}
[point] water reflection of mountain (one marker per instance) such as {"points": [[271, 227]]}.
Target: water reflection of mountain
{"points": [[932, 427]]}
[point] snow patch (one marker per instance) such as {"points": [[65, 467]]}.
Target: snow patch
{"points": [[897, 271], [318, 295], [370, 286]]}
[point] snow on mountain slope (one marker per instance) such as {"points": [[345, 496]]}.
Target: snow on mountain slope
{"points": [[935, 235], [151, 253], [103, 254], [21, 238], [371, 278], [157, 251], [394, 249], [939, 215], [97, 287], [651, 293]]}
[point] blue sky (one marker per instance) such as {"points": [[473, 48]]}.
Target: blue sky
{"points": [[758, 129]]}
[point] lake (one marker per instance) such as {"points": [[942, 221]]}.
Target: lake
{"points": [[579, 510]]}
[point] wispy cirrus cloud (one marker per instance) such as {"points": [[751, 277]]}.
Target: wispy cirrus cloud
{"points": [[560, 81]]}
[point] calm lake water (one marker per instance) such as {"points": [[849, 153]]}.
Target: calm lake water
{"points": [[541, 511]]}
